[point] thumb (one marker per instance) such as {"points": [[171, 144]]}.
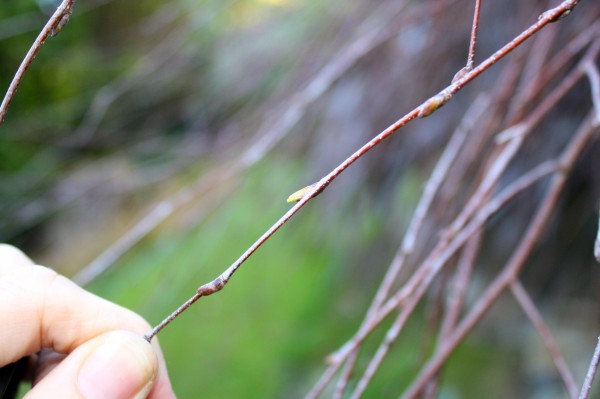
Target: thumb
{"points": [[116, 365]]}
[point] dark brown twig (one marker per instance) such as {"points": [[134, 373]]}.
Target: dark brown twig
{"points": [[52, 27]]}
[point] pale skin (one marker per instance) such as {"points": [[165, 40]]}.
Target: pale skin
{"points": [[84, 347]]}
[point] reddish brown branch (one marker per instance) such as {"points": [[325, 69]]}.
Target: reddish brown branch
{"points": [[594, 77], [475, 26], [52, 27], [425, 109], [473, 41], [439, 256], [511, 269]]}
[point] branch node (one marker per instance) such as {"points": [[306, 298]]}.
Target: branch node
{"points": [[66, 14], [462, 72], [558, 17], [214, 286]]}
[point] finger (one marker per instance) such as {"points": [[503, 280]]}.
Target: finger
{"points": [[41, 309], [116, 365], [12, 258]]}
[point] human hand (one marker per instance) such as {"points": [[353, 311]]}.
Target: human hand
{"points": [[86, 347]]}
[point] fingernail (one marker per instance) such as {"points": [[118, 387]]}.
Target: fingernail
{"points": [[118, 369]]}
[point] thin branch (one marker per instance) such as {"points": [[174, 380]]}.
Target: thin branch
{"points": [[413, 296], [554, 65], [458, 290], [594, 77], [439, 256], [591, 374], [512, 267], [515, 135], [456, 297], [52, 27], [597, 243], [473, 41], [344, 379], [322, 383], [471, 58], [425, 109], [536, 319], [533, 71]]}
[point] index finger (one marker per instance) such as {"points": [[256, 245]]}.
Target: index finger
{"points": [[41, 309]]}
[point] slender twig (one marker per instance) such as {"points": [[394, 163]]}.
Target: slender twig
{"points": [[456, 297], [515, 134], [549, 69], [425, 109], [537, 320], [445, 251], [414, 296], [594, 77], [52, 27], [591, 373], [471, 56], [458, 290], [326, 377], [534, 66], [512, 267], [597, 243], [345, 376], [475, 26], [439, 256]]}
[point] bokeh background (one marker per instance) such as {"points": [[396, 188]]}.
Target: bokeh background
{"points": [[205, 104]]}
